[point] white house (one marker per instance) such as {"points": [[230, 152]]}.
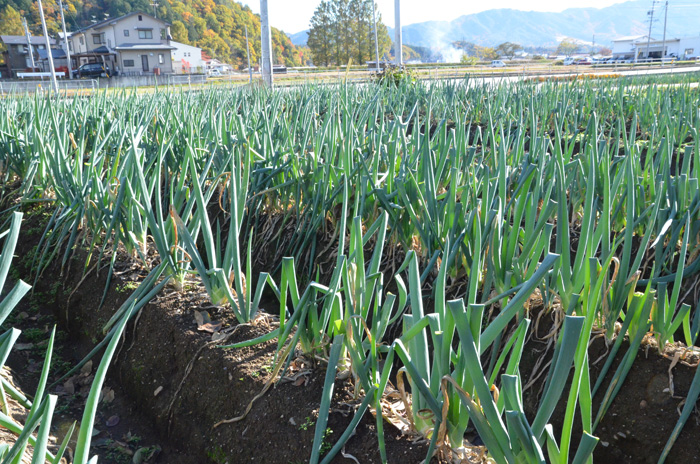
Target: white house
{"points": [[625, 47], [641, 48], [689, 48], [136, 43], [187, 59], [212, 64]]}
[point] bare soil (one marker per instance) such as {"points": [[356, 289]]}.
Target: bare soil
{"points": [[170, 384]]}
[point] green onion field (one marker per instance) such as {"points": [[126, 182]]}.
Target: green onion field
{"points": [[480, 267]]}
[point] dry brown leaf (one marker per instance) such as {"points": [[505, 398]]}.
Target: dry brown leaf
{"points": [[210, 327], [87, 368], [107, 395]]}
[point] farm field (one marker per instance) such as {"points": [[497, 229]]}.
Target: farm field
{"points": [[443, 272]]}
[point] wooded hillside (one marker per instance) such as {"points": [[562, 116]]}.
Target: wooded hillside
{"points": [[216, 26]]}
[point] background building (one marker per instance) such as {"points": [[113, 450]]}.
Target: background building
{"points": [[133, 44], [187, 59]]}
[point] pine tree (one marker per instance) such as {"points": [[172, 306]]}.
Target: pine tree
{"points": [[322, 39], [344, 29]]}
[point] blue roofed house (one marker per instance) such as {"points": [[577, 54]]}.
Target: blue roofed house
{"points": [[17, 53]]}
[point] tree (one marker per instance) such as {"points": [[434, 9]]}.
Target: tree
{"points": [[508, 49], [10, 24], [485, 53], [215, 25], [11, 21], [567, 47], [179, 32], [342, 30], [321, 39]]}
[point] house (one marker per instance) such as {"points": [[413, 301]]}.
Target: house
{"points": [[212, 64], [136, 44], [187, 59], [689, 48], [624, 48], [657, 49], [16, 55], [641, 48]]}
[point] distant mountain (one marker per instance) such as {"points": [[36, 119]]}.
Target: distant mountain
{"points": [[299, 39], [538, 29]]}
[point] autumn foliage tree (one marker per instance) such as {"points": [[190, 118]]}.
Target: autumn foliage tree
{"points": [[216, 26], [567, 47]]}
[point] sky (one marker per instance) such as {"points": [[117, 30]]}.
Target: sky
{"points": [[294, 15]]}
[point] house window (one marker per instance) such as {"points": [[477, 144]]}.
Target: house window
{"points": [[128, 63], [96, 39], [145, 34], [162, 34], [82, 42], [140, 18], [126, 32], [41, 47], [160, 58], [689, 51]]}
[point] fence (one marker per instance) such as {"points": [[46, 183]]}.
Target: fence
{"points": [[21, 87]]}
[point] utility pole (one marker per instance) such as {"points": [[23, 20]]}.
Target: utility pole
{"points": [[48, 48], [29, 43], [376, 40], [247, 49], [155, 5], [397, 32], [663, 47], [65, 40], [651, 21], [266, 44]]}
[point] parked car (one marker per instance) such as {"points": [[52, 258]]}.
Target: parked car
{"points": [[586, 60], [215, 73], [498, 64], [93, 70], [568, 61]]}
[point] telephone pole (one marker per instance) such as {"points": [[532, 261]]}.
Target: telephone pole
{"points": [[651, 22], [376, 40], [29, 43], [247, 50], [663, 47], [397, 32], [266, 44], [49, 54], [65, 40]]}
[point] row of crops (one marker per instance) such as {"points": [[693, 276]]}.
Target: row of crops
{"points": [[404, 234]]}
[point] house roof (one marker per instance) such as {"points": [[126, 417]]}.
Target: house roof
{"points": [[22, 40], [630, 37], [109, 21], [182, 45], [56, 54], [137, 46]]}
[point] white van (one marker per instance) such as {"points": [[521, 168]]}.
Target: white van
{"points": [[498, 64], [569, 61]]}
